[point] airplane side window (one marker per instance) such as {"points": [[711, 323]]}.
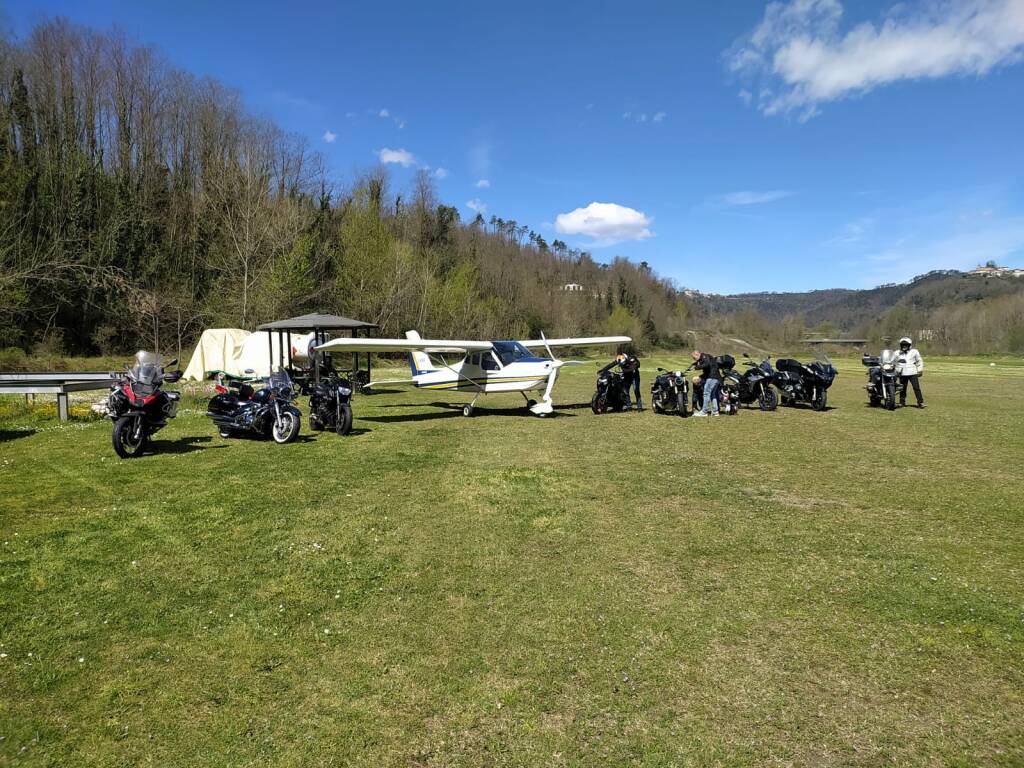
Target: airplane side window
{"points": [[488, 362], [473, 360]]}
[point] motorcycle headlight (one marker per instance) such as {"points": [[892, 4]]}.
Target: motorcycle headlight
{"points": [[345, 390]]}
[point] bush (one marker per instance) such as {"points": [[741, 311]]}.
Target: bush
{"points": [[13, 359]]}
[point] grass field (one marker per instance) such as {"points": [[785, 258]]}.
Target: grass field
{"points": [[789, 588]]}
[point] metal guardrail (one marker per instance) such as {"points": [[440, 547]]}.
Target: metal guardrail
{"points": [[55, 383]]}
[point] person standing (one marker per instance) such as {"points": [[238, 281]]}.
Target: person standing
{"points": [[711, 380], [911, 367], [629, 364], [630, 367]]}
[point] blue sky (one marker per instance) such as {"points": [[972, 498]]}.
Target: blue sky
{"points": [[733, 146]]}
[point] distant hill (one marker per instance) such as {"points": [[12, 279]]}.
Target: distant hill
{"points": [[850, 310]]}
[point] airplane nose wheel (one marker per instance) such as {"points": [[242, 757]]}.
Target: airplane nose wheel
{"points": [[467, 410]]}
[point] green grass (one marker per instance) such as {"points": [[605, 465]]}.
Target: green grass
{"points": [[794, 588]]}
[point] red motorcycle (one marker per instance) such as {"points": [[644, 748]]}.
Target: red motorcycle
{"points": [[138, 406]]}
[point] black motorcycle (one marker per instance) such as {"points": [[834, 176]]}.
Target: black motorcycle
{"points": [[610, 394], [755, 383], [670, 391], [804, 383], [330, 404], [239, 408], [138, 406], [884, 383]]}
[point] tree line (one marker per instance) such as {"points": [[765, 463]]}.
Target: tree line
{"points": [[140, 204]]}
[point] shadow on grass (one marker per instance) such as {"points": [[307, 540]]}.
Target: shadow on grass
{"points": [[449, 410], [328, 433], [13, 434], [188, 444]]}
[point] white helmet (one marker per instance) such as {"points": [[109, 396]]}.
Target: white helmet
{"points": [[907, 340]]}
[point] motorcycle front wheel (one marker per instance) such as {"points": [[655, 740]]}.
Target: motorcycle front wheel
{"points": [[890, 398], [768, 401], [344, 423], [287, 429], [598, 403], [820, 400], [129, 438], [681, 404]]}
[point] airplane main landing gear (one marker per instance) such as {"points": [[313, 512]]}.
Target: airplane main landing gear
{"points": [[467, 410]]}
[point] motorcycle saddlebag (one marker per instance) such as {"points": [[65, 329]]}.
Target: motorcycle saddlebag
{"points": [[789, 364], [171, 406], [223, 404], [871, 361], [726, 362]]}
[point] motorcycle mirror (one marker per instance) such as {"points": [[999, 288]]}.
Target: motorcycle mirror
{"points": [[171, 364]]}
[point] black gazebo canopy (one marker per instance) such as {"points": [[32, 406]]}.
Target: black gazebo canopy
{"points": [[319, 323]]}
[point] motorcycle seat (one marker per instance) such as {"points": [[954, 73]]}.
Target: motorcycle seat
{"points": [[790, 365]]}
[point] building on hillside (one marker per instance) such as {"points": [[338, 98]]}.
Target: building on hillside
{"points": [[997, 272], [573, 288]]}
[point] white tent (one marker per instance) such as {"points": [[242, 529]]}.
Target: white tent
{"points": [[233, 351]]}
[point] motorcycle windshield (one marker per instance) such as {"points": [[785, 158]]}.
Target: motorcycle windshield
{"points": [[281, 381], [146, 372]]}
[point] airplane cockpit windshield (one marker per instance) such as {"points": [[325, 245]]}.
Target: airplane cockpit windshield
{"points": [[510, 351]]}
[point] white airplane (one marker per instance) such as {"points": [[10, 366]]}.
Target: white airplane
{"points": [[484, 366]]}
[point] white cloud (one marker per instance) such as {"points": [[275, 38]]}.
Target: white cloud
{"points": [[798, 57], [440, 173], [330, 136], [400, 157], [853, 232], [384, 113], [643, 117], [605, 223], [483, 184], [749, 197], [478, 205]]}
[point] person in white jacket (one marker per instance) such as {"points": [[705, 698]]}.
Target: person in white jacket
{"points": [[911, 367]]}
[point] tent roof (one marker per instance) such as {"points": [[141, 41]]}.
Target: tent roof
{"points": [[315, 321]]}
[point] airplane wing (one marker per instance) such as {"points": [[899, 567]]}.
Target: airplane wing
{"points": [[583, 341], [389, 382], [430, 346]]}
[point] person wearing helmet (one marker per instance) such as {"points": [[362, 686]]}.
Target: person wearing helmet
{"points": [[911, 367]]}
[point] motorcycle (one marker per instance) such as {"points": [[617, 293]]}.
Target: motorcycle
{"points": [[330, 404], [755, 383], [610, 394], [138, 406], [804, 383], [884, 383], [670, 391], [239, 408]]}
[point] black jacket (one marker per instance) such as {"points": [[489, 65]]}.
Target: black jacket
{"points": [[629, 366], [708, 366]]}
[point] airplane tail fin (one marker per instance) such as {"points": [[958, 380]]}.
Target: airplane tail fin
{"points": [[418, 361]]}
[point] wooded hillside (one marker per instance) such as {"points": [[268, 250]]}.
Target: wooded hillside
{"points": [[140, 204]]}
